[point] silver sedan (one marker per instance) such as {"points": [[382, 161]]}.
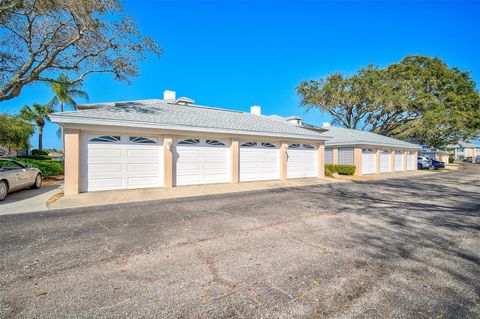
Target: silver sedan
{"points": [[15, 176]]}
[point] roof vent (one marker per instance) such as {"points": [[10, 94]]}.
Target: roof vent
{"points": [[184, 101], [169, 95], [255, 109], [326, 124], [294, 120]]}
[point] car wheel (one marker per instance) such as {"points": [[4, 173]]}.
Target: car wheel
{"points": [[3, 190], [38, 182]]}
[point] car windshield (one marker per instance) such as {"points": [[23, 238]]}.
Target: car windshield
{"points": [[6, 165]]}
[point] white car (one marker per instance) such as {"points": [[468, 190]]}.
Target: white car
{"points": [[15, 176], [423, 162]]}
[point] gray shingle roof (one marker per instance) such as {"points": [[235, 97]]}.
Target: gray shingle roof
{"points": [[160, 113], [344, 136], [464, 145]]}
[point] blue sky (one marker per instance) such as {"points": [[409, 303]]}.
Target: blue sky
{"points": [[237, 54]]}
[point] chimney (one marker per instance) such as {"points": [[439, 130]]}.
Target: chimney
{"points": [[294, 120], [325, 124], [169, 95], [257, 110]]}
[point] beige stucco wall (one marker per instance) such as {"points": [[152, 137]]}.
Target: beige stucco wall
{"points": [[72, 162], [73, 150], [377, 160], [321, 159], [335, 155], [235, 160], [168, 161], [357, 160], [283, 160]]}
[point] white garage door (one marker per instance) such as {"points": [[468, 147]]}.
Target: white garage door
{"points": [[385, 161], [201, 161], [259, 161], [368, 161], [119, 162], [398, 161], [410, 160], [301, 161]]}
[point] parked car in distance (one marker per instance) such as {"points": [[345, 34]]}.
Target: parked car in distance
{"points": [[437, 164], [468, 159], [423, 162], [15, 176]]}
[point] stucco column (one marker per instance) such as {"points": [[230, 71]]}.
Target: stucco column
{"points": [[377, 161], [392, 161], [415, 156], [168, 161], [335, 155], [405, 158], [72, 162], [357, 160], [321, 159], [283, 160], [235, 160]]}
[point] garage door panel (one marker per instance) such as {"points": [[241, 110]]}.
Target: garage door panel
{"points": [[398, 162], [200, 162], [368, 161], [104, 183], [142, 181], [108, 152], [385, 160], [301, 161], [105, 168], [120, 163], [259, 162], [142, 153]]}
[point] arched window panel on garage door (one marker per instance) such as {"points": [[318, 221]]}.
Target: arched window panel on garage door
{"points": [[106, 139], [249, 144], [268, 145], [329, 156], [294, 146], [189, 141], [142, 140], [308, 146], [345, 155], [215, 143]]}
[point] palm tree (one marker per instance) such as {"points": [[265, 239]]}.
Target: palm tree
{"points": [[64, 93], [39, 115]]}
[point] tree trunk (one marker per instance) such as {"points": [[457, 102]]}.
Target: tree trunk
{"points": [[40, 138], [61, 130]]}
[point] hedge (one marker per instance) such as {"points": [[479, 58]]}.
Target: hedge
{"points": [[38, 152], [341, 169], [37, 157], [48, 168], [451, 160]]}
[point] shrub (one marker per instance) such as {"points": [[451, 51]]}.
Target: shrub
{"points": [[37, 157], [38, 152], [451, 160], [48, 168], [341, 169]]}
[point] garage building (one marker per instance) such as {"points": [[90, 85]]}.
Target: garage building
{"points": [[173, 142], [370, 153]]}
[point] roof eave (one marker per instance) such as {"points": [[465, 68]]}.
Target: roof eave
{"points": [[329, 143], [65, 120]]}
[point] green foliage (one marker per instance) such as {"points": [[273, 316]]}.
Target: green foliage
{"points": [[37, 114], [419, 99], [341, 169], [14, 133], [42, 38], [451, 160], [39, 152], [38, 157], [48, 168]]}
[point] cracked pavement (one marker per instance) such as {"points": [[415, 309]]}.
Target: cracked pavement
{"points": [[398, 248]]}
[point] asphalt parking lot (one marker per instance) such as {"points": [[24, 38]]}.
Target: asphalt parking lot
{"points": [[399, 248]]}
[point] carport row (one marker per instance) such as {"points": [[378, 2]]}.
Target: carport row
{"points": [[96, 162]]}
